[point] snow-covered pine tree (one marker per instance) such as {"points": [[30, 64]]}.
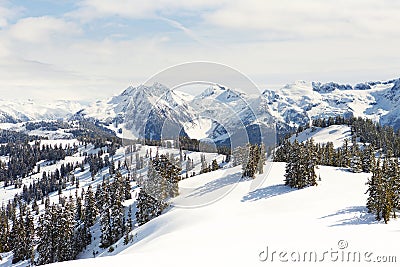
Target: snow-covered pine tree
{"points": [[29, 237], [356, 161], [238, 156], [214, 165], [126, 187], [204, 164], [396, 186], [90, 208], [4, 231], [261, 161], [292, 165], [105, 219], [117, 211], [46, 238], [387, 194], [252, 158], [376, 192], [367, 158], [17, 236], [310, 162], [147, 208], [281, 154], [128, 227], [346, 153], [79, 211], [65, 232], [301, 164], [329, 154]]}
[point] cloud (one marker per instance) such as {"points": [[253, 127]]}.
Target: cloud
{"points": [[273, 42], [41, 29], [309, 18], [7, 13]]}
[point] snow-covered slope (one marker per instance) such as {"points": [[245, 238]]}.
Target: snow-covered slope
{"points": [[221, 219], [334, 133], [22, 111], [239, 229]]}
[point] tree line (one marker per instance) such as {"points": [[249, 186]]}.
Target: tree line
{"points": [[62, 230]]}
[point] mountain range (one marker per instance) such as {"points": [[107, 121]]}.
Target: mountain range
{"points": [[220, 113]]}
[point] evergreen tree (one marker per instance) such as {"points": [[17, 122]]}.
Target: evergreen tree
{"points": [[90, 208], [204, 165], [252, 158], [310, 163], [46, 244], [214, 165], [367, 159], [4, 231], [346, 153], [147, 208], [355, 161], [117, 211], [301, 164], [128, 227], [261, 161], [105, 221]]}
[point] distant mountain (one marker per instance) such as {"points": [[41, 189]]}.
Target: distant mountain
{"points": [[142, 111], [298, 103], [153, 111], [29, 110], [219, 113]]}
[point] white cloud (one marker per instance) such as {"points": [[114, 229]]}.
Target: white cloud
{"points": [[42, 29], [343, 41], [7, 13], [309, 18]]}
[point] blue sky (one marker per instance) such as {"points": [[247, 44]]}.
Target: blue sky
{"points": [[90, 49]]}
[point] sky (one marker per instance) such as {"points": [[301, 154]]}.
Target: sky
{"points": [[92, 49]]}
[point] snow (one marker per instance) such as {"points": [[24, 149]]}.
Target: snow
{"points": [[12, 126], [334, 133], [49, 134], [235, 229], [219, 218], [198, 128], [63, 142], [291, 106], [30, 110]]}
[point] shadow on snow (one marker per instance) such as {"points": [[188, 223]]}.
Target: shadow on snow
{"points": [[217, 184], [267, 192], [356, 215]]}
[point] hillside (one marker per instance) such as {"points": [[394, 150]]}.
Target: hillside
{"points": [[220, 218], [235, 229], [335, 134]]}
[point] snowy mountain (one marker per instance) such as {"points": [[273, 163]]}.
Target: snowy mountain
{"points": [[218, 113], [301, 101], [143, 111], [22, 111], [221, 113]]}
